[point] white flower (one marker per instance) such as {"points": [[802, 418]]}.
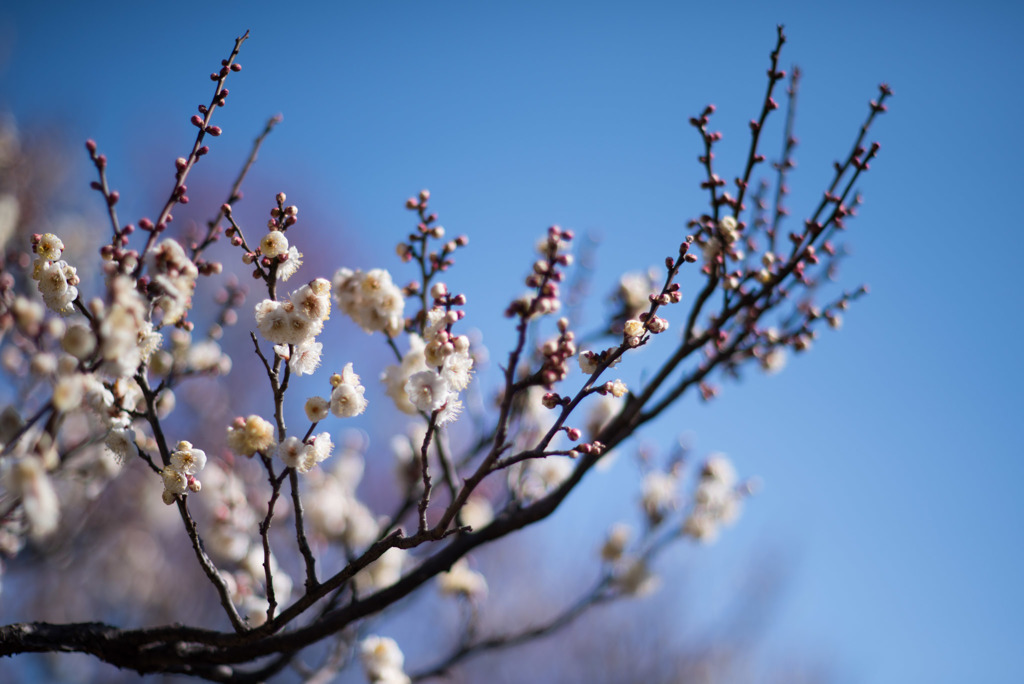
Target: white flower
{"points": [[774, 361], [57, 282], [286, 269], [457, 370], [437, 320], [313, 300], [701, 527], [382, 660], [187, 459], [588, 362], [347, 400], [719, 468], [175, 481], [477, 512], [427, 390], [305, 358], [246, 436], [322, 446], [636, 579], [317, 409], [292, 452], [634, 290], [658, 495], [68, 392], [27, 479], [632, 331], [396, 377], [462, 581], [602, 410], [280, 323], [49, 247], [539, 476], [615, 543], [729, 227], [361, 527], [274, 244], [204, 356], [327, 503], [716, 500], [371, 299], [383, 572], [450, 410], [120, 442]]}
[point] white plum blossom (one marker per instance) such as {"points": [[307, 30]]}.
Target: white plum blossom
{"points": [[274, 244], [370, 299], [634, 578], [246, 436], [313, 300], [290, 266], [457, 370], [729, 229], [27, 479], [317, 409], [427, 390], [179, 475], [634, 291], [347, 398], [292, 452], [774, 361], [633, 331], [382, 660], [382, 572], [175, 482], [174, 277], [588, 362], [461, 580], [717, 501], [603, 408], [49, 247], [322, 446], [477, 512], [615, 543], [120, 443], [57, 284], [658, 495], [537, 477], [304, 358], [187, 459], [395, 377], [450, 410]]}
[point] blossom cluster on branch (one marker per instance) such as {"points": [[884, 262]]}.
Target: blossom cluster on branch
{"points": [[107, 355]]}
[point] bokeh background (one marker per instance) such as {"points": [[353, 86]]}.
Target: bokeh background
{"points": [[890, 515]]}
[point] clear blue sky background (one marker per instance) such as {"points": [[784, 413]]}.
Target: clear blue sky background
{"points": [[891, 454]]}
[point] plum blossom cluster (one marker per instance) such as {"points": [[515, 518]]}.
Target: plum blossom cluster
{"points": [[436, 367], [717, 500], [382, 661], [179, 475], [370, 299], [302, 455], [57, 279], [715, 503], [292, 325]]}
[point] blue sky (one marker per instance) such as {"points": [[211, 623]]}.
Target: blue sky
{"points": [[889, 454]]}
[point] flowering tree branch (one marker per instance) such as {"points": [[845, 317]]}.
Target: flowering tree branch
{"points": [[124, 353]]}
